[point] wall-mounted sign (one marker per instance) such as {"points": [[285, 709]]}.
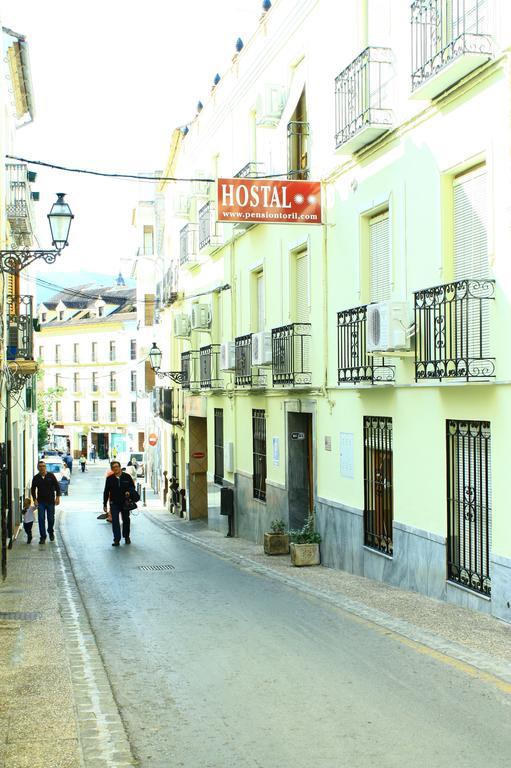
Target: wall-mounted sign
{"points": [[297, 435], [152, 439], [328, 443], [198, 455], [269, 201]]}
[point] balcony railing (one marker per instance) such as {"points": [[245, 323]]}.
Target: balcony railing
{"points": [[249, 171], [188, 244], [189, 364], [354, 363], [362, 100], [19, 203], [245, 374], [452, 331], [20, 345], [291, 355], [210, 374], [449, 40], [297, 150], [205, 225]]}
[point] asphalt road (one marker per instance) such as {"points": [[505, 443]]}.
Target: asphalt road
{"points": [[213, 666]]}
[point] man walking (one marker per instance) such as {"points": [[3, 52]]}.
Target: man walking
{"points": [[118, 488], [45, 492]]}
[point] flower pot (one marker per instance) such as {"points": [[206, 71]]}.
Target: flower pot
{"points": [[305, 554], [276, 544]]}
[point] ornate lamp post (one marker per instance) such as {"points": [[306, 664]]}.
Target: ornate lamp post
{"points": [[155, 360], [60, 218]]}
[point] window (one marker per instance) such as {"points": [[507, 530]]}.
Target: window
{"points": [[76, 382], [301, 292], [112, 350], [40, 353], [133, 381], [148, 240], [57, 380], [61, 315], [134, 413], [94, 351], [133, 349], [76, 410], [297, 141], [379, 258], [113, 381], [100, 311], [76, 353], [43, 317], [113, 410], [219, 446], [94, 383], [259, 453], [378, 494], [57, 353], [95, 410], [469, 504], [257, 300], [58, 411]]}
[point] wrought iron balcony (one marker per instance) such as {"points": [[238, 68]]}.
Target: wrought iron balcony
{"points": [[297, 150], [20, 344], [210, 375], [245, 374], [188, 245], [19, 207], [291, 355], [362, 100], [249, 171], [354, 363], [452, 331], [449, 40], [189, 366], [209, 228]]}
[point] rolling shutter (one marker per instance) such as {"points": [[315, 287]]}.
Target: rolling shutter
{"points": [[260, 301], [379, 258], [302, 287]]}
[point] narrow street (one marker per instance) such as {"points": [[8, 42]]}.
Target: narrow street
{"points": [[212, 666]]}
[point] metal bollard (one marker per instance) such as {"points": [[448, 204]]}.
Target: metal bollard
{"points": [[143, 498]]}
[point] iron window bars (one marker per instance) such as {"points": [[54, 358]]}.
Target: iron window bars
{"points": [[187, 238], [443, 30], [209, 362], [354, 363], [205, 225], [469, 504], [452, 324], [20, 344], [219, 446], [291, 355], [361, 94], [378, 493], [297, 150], [259, 453], [188, 369], [244, 375]]}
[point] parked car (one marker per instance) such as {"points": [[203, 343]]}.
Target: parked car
{"points": [[55, 467], [139, 457]]}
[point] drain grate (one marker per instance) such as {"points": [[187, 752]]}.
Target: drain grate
{"points": [[164, 567], [19, 615]]}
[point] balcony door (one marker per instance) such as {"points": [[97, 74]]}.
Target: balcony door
{"points": [[301, 287]]}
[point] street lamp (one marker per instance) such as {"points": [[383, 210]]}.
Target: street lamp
{"points": [[155, 361], [60, 218]]}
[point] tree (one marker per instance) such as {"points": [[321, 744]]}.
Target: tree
{"points": [[45, 412]]}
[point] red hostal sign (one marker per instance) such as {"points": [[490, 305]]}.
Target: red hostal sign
{"points": [[269, 201]]}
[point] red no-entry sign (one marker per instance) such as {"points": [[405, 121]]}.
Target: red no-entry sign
{"points": [[153, 439]]}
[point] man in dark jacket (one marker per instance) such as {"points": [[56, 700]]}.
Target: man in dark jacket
{"points": [[45, 492], [118, 488]]}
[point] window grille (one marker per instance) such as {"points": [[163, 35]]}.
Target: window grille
{"points": [[133, 381], [133, 349], [378, 493], [219, 446], [113, 411], [134, 413], [112, 350], [76, 353], [259, 453], [77, 411], [469, 506], [95, 410]]}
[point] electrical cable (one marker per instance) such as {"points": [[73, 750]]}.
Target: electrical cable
{"points": [[139, 177]]}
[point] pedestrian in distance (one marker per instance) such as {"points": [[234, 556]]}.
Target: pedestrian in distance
{"points": [[83, 462], [45, 492], [65, 479], [114, 453], [131, 471], [69, 462], [28, 518], [120, 493]]}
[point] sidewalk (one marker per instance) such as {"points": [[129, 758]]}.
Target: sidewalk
{"points": [[470, 638]]}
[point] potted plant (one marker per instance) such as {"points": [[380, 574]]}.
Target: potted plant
{"points": [[276, 541], [305, 545]]}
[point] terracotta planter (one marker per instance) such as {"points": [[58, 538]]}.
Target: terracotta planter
{"points": [[276, 544], [305, 554]]}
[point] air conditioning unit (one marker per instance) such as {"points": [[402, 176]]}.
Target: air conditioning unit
{"points": [[261, 348], [388, 323], [182, 326], [270, 105], [227, 356], [201, 316]]}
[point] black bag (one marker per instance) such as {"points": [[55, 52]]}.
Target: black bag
{"points": [[134, 496], [128, 504]]}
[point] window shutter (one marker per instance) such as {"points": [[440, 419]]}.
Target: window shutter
{"points": [[302, 288], [379, 258], [260, 302]]}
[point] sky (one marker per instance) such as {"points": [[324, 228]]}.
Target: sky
{"points": [[111, 80]]}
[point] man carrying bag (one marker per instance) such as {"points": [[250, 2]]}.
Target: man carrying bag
{"points": [[121, 493]]}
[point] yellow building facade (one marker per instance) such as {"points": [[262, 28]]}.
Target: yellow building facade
{"points": [[355, 371]]}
